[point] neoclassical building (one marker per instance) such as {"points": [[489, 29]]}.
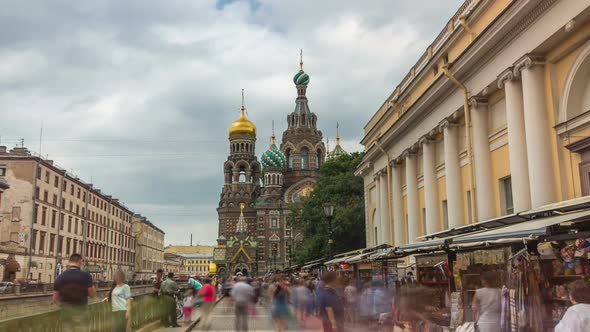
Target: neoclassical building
{"points": [[254, 237], [493, 119]]}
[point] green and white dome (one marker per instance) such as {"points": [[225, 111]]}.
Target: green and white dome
{"points": [[301, 78], [273, 157]]}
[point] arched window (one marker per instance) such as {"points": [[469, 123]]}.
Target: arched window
{"points": [[242, 177], [304, 158], [289, 159], [303, 119], [319, 158], [274, 179]]}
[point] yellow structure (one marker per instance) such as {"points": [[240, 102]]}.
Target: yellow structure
{"points": [[197, 263], [493, 119], [174, 249], [242, 126]]}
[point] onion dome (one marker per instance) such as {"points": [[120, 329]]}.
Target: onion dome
{"points": [[242, 126], [301, 78], [338, 150], [273, 157]]}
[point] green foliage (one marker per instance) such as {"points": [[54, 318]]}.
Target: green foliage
{"points": [[337, 185]]}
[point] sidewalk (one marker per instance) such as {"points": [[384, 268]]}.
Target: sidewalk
{"points": [[183, 327]]}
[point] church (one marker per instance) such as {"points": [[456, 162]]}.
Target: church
{"points": [[254, 235]]}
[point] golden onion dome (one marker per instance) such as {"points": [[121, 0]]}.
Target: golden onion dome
{"points": [[242, 127]]}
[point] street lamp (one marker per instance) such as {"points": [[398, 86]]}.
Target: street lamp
{"points": [[329, 212]]}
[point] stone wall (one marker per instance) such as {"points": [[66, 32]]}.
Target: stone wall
{"points": [[24, 305]]}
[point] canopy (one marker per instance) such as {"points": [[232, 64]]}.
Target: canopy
{"points": [[525, 230]]}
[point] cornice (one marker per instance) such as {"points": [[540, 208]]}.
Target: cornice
{"points": [[506, 75]]}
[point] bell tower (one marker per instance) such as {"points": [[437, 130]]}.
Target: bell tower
{"points": [[236, 210]]}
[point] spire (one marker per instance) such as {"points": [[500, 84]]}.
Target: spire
{"points": [[300, 59], [273, 137], [243, 109], [328, 145], [337, 133], [241, 226]]}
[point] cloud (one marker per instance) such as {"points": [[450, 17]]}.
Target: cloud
{"points": [[136, 96]]}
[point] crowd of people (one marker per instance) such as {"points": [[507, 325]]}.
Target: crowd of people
{"points": [[294, 300], [343, 304]]}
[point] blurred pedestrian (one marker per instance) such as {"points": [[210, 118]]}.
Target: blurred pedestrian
{"points": [[120, 298], [331, 305], [188, 303], [242, 294], [158, 282], [207, 296], [577, 317], [71, 290], [351, 296], [280, 306], [487, 303], [374, 301], [168, 291]]}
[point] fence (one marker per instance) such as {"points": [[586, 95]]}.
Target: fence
{"points": [[145, 309], [11, 289]]}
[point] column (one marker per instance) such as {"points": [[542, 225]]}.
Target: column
{"points": [[482, 160], [412, 197], [399, 220], [377, 217], [453, 174], [384, 213], [537, 132], [519, 172], [430, 185]]}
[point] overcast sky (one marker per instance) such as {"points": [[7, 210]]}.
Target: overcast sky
{"points": [[136, 96]]}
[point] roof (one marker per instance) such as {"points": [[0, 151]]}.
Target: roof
{"points": [[206, 255]]}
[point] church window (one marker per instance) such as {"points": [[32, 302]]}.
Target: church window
{"points": [[242, 147], [304, 158], [274, 223], [319, 158], [289, 159], [242, 178]]}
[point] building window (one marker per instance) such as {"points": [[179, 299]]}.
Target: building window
{"points": [[39, 173], [43, 216], [319, 158], [45, 196], [274, 223], [46, 176], [2, 171], [55, 199], [445, 211], [289, 159], [64, 185], [304, 158], [506, 195], [53, 218], [51, 243]]}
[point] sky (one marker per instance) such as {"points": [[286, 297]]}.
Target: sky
{"points": [[136, 96]]}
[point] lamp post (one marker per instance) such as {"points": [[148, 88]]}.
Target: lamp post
{"points": [[329, 212]]}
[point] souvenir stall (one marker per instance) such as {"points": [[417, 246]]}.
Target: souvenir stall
{"points": [[535, 261]]}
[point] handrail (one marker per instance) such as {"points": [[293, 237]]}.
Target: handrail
{"points": [[146, 308]]}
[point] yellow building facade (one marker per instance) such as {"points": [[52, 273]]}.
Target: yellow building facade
{"points": [[493, 119]]}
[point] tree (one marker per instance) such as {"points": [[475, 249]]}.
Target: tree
{"points": [[339, 186]]}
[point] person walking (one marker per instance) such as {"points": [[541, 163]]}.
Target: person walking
{"points": [[120, 298], [351, 295], [487, 304], [187, 305], [280, 307], [577, 317], [331, 305], [242, 294], [158, 282], [168, 290], [207, 296], [71, 290]]}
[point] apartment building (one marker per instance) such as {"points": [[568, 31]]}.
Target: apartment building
{"points": [[197, 263], [492, 120], [48, 214], [149, 247]]}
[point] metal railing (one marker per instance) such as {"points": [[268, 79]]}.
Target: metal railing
{"points": [[30, 289], [146, 308]]}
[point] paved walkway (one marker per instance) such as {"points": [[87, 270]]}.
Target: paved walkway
{"points": [[223, 320], [183, 327]]}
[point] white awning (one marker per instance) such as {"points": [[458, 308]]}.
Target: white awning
{"points": [[525, 230]]}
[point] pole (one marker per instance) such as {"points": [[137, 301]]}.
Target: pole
{"points": [[33, 215], [330, 239], [59, 221]]}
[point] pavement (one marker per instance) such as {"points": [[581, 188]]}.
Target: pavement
{"points": [[223, 320]]}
